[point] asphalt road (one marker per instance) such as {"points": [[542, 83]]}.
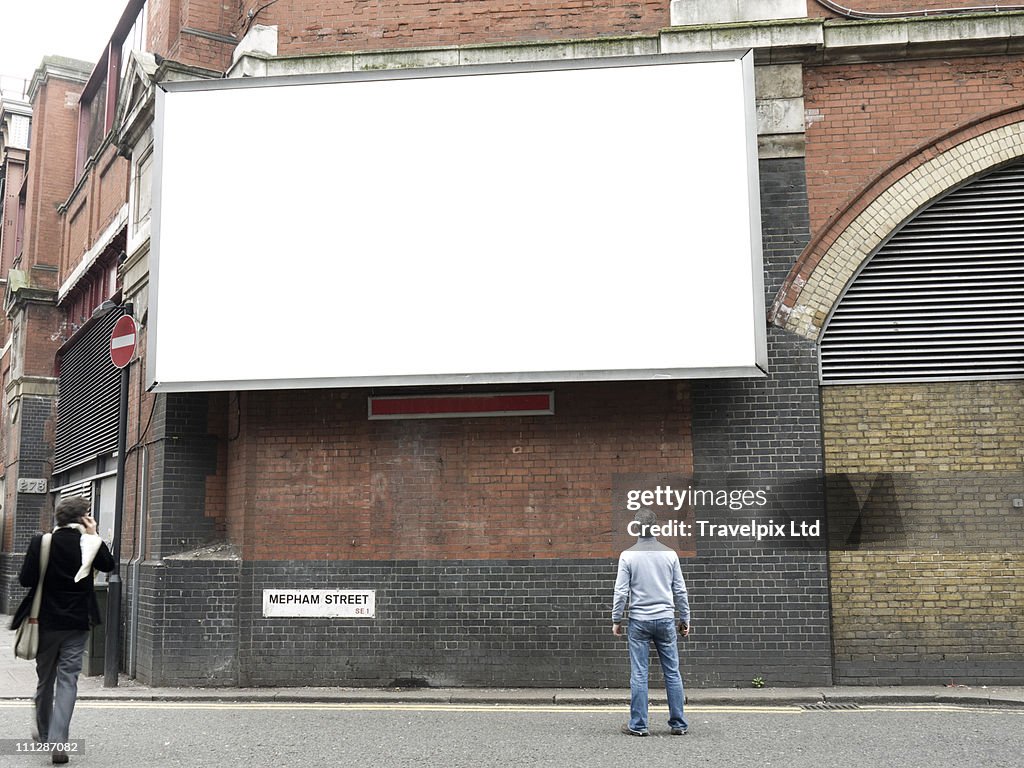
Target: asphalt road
{"points": [[122, 734]]}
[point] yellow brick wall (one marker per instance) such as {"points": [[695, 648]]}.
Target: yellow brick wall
{"points": [[926, 547]]}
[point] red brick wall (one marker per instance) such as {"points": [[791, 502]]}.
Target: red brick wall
{"points": [[51, 173], [320, 26], [162, 25], [50, 180], [168, 18], [94, 207], [41, 339], [310, 478], [864, 117], [199, 51], [110, 188]]}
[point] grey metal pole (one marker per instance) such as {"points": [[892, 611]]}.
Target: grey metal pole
{"points": [[112, 648]]}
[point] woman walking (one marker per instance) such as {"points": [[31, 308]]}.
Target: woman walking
{"points": [[67, 611]]}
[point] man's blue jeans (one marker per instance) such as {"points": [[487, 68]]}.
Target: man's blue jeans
{"points": [[663, 633]]}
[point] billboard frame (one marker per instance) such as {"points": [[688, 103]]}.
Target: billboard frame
{"points": [[759, 318]]}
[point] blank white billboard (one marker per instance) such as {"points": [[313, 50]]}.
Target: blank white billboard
{"points": [[569, 221]]}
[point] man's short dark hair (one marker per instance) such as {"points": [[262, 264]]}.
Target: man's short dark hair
{"points": [[646, 517], [72, 509]]}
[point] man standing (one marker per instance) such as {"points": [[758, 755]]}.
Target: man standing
{"points": [[650, 577]]}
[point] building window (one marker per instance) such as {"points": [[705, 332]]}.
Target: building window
{"points": [[143, 191], [98, 101], [20, 131]]}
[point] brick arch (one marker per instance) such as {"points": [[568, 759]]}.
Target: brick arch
{"points": [[834, 255]]}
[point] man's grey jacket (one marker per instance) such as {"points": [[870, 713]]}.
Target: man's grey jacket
{"points": [[651, 579]]}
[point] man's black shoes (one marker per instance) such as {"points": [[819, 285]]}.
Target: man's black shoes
{"points": [[630, 732]]}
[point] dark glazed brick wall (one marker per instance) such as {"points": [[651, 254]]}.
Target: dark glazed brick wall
{"points": [[438, 622], [188, 630], [443, 622], [12, 592], [183, 460], [35, 460], [457, 623], [186, 608], [771, 425], [761, 609], [31, 510]]}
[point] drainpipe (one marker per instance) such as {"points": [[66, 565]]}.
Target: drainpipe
{"points": [[135, 564]]}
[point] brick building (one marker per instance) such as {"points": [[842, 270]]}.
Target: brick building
{"points": [[890, 168]]}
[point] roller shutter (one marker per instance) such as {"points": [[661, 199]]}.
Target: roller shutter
{"points": [[87, 400]]}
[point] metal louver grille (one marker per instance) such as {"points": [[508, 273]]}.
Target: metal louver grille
{"points": [[87, 399], [943, 298], [83, 489]]}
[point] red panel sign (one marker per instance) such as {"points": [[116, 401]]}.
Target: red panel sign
{"points": [[464, 405], [123, 341]]}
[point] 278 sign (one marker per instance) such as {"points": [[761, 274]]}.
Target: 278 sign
{"points": [[31, 485]]}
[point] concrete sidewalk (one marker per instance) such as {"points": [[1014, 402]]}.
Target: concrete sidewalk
{"points": [[18, 681]]}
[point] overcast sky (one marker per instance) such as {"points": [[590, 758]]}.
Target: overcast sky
{"points": [[31, 29]]}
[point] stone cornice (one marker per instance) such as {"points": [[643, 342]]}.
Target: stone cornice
{"points": [[31, 386], [169, 70], [839, 41], [21, 296], [925, 37], [12, 106], [774, 42], [70, 70], [254, 64]]}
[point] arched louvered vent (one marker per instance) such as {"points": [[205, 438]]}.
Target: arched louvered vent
{"points": [[943, 298], [87, 398]]}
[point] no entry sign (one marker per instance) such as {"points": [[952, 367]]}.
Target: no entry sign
{"points": [[122, 341]]}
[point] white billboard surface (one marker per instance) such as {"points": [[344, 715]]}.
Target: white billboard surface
{"points": [[582, 220]]}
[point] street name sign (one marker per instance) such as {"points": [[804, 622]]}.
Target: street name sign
{"points": [[319, 603]]}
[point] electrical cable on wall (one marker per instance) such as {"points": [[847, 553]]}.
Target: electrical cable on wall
{"points": [[851, 13], [252, 14]]}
